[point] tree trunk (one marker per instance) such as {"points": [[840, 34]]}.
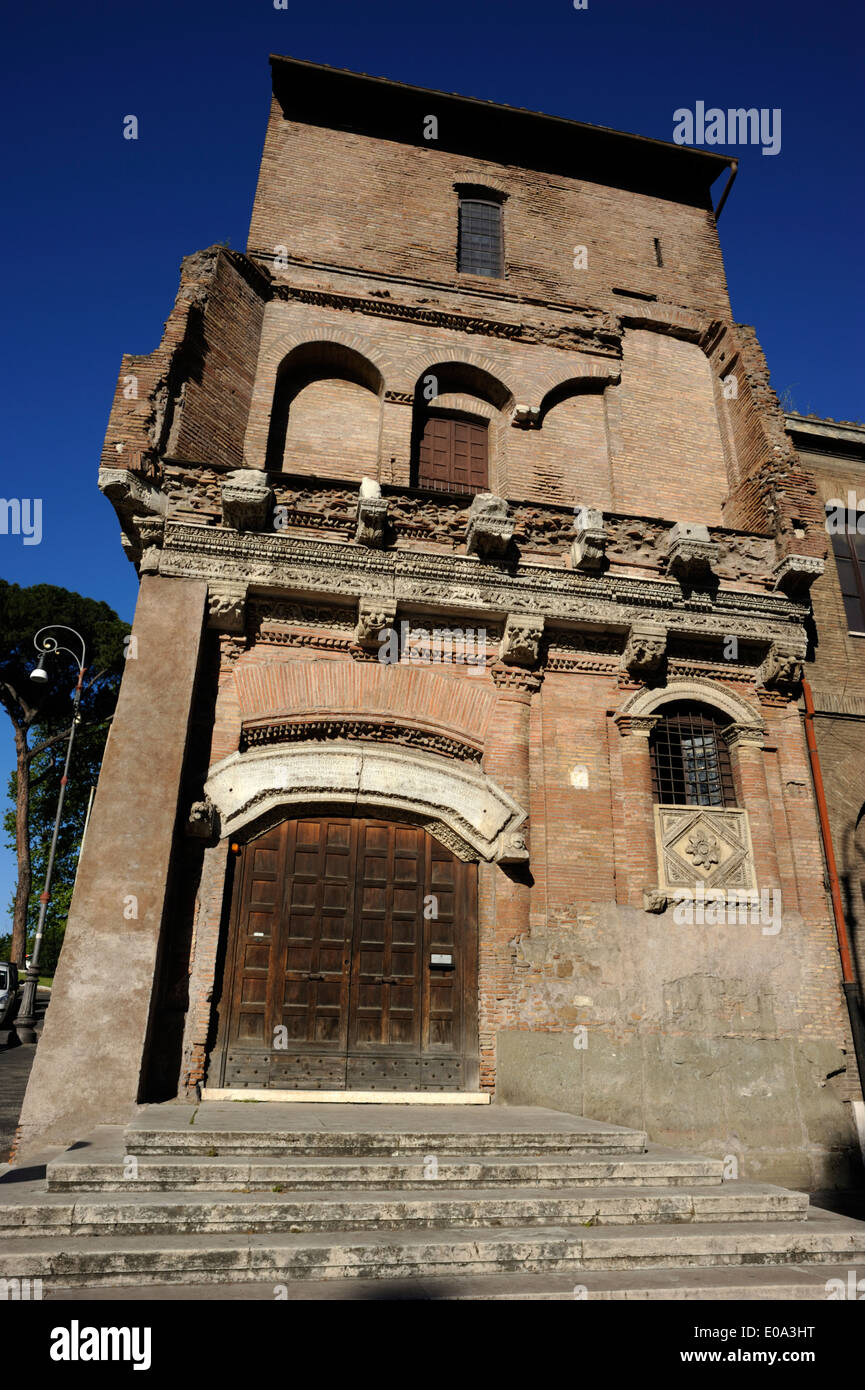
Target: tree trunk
{"points": [[22, 848]]}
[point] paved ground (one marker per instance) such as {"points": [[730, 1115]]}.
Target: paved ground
{"points": [[16, 1059]]}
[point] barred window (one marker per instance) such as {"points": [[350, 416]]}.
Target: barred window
{"points": [[480, 247], [690, 758]]}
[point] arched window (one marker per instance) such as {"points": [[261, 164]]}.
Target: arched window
{"points": [[690, 757]]}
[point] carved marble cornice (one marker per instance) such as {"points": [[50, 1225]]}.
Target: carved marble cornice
{"points": [[298, 565]]}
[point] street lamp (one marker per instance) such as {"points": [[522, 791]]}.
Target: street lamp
{"points": [[25, 1023]]}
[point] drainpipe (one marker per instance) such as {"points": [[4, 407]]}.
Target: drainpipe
{"points": [[734, 169], [848, 978]]}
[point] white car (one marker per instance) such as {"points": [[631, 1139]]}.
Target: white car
{"points": [[8, 992]]}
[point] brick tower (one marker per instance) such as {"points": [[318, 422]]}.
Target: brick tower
{"points": [[459, 747]]}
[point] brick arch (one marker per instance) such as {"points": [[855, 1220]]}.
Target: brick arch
{"points": [[554, 387], [293, 339], [415, 368], [455, 710]]}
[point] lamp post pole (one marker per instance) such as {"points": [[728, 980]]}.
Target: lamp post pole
{"points": [[25, 1023]]}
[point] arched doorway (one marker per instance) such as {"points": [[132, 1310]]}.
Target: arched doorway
{"points": [[351, 961]]}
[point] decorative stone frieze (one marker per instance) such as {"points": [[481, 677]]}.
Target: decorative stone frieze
{"points": [[246, 499], [782, 667], [796, 573], [522, 640], [373, 615], [226, 604], [645, 649], [691, 554], [590, 540], [491, 526], [703, 845], [372, 522], [526, 417]]}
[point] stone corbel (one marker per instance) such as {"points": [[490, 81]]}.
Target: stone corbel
{"points": [[373, 615], [226, 603], [512, 848], [521, 642], [372, 522], [690, 553], [202, 823], [151, 532], [796, 573], [654, 900], [645, 650], [246, 500], [782, 666], [526, 417], [491, 526], [590, 543]]}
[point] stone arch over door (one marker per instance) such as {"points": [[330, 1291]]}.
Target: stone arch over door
{"points": [[458, 804]]}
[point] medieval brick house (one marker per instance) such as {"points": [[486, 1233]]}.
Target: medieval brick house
{"points": [[474, 562]]}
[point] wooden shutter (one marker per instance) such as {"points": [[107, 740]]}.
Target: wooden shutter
{"points": [[453, 455]]}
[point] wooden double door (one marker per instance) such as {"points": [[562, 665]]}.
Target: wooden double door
{"points": [[351, 961]]}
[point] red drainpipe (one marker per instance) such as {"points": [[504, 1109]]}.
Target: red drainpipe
{"points": [[849, 983]]}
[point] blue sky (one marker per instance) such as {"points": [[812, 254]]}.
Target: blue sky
{"points": [[96, 226]]}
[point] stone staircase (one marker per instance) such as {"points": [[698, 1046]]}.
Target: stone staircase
{"points": [[228, 1199]]}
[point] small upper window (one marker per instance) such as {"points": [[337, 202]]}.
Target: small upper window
{"points": [[690, 758], [848, 547], [480, 249]]}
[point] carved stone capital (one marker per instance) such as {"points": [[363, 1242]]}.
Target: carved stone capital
{"points": [[640, 725], [246, 500], [151, 531], [645, 649], [371, 527], [522, 640], [373, 614], [526, 417], [743, 735], [690, 553], [796, 573], [590, 541], [491, 526], [226, 603], [782, 666]]}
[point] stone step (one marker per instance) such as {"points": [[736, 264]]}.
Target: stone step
{"points": [[31, 1211], [730, 1283], [233, 1128], [80, 1171], [419, 1254]]}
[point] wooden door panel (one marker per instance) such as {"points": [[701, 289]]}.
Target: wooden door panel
{"points": [[334, 924]]}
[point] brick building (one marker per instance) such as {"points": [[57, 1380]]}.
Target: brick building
{"points": [[475, 562]]}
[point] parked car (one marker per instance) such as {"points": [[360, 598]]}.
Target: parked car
{"points": [[8, 992]]}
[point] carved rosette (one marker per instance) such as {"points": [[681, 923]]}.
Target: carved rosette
{"points": [[521, 642], [246, 500], [373, 616], [491, 526], [703, 845], [645, 650]]}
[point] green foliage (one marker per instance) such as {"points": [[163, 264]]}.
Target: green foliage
{"points": [[43, 713]]}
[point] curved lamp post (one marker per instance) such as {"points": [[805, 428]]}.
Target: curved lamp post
{"points": [[25, 1023]]}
